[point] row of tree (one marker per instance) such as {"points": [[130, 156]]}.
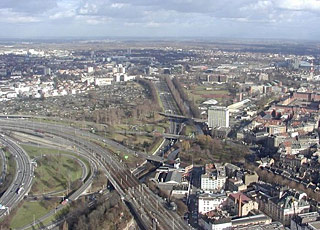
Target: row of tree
{"points": [[152, 91], [193, 108], [177, 97]]}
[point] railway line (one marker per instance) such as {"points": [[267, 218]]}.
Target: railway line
{"points": [[150, 215], [149, 210]]}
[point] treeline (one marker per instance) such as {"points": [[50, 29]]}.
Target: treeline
{"points": [[113, 116], [205, 149], [176, 96], [153, 92], [186, 106], [193, 108]]}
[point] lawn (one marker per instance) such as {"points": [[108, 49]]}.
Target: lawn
{"points": [[34, 151], [31, 210], [54, 172], [202, 93]]}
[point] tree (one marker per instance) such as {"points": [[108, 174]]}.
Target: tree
{"points": [[65, 226], [185, 145], [82, 223]]}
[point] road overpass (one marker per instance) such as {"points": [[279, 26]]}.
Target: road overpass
{"points": [[182, 118], [149, 208]]}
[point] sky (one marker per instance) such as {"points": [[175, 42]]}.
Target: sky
{"points": [[263, 19]]}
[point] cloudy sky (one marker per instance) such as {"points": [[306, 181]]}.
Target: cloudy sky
{"points": [[287, 19]]}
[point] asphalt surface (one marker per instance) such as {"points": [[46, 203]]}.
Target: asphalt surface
{"points": [[22, 181], [117, 173], [11, 197], [150, 208], [3, 166]]}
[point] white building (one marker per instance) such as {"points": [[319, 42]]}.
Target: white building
{"points": [[209, 202], [103, 81], [214, 179], [218, 116], [212, 183], [90, 69]]}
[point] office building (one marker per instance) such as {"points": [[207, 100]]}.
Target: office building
{"points": [[218, 116]]}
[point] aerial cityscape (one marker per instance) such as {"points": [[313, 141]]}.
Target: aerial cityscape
{"points": [[160, 115]]}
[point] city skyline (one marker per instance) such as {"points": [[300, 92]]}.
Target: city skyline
{"points": [[268, 19]]}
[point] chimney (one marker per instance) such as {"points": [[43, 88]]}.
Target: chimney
{"points": [[240, 206]]}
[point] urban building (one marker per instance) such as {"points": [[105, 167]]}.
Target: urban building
{"points": [[283, 206], [208, 202], [218, 116], [214, 178], [239, 204], [305, 221]]}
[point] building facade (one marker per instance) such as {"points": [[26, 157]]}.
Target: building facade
{"points": [[218, 116]]}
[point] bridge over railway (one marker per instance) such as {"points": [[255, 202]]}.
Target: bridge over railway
{"points": [[148, 209], [182, 118]]}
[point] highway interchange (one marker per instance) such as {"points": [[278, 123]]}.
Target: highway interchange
{"points": [[149, 209]]}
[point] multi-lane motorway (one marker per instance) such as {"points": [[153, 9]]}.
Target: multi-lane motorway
{"points": [[3, 168], [23, 178], [150, 209]]}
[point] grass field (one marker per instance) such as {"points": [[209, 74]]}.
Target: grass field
{"points": [[34, 151], [138, 141], [202, 93], [54, 172], [31, 210]]}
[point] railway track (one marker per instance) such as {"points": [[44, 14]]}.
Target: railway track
{"points": [[150, 212]]}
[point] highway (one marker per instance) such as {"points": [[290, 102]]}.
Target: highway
{"points": [[22, 181], [150, 210], [75, 195], [12, 198], [3, 168], [169, 106]]}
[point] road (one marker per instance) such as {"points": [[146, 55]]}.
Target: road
{"points": [[3, 166], [169, 106], [22, 181], [84, 175], [147, 206], [77, 193], [12, 198]]}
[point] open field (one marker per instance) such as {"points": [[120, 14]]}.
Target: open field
{"points": [[31, 210], [54, 172], [203, 93]]}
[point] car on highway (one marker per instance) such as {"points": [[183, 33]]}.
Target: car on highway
{"points": [[19, 190]]}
